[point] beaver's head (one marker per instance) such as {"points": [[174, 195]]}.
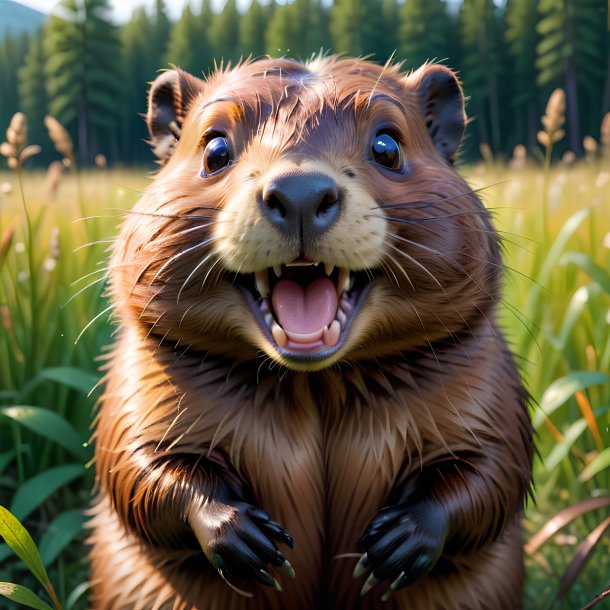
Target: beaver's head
{"points": [[309, 213]]}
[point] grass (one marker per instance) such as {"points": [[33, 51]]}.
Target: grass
{"points": [[556, 314]]}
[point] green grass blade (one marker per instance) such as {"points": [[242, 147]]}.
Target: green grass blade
{"points": [[567, 230], [22, 595], [48, 424], [562, 389], [6, 458], [561, 450], [60, 533], [594, 271], [36, 490], [77, 379], [77, 594], [600, 462], [20, 541]]}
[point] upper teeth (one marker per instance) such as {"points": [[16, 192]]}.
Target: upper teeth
{"points": [[345, 279], [262, 283]]}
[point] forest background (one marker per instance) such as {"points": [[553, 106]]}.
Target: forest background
{"points": [[93, 75]]}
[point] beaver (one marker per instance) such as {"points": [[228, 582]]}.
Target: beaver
{"points": [[309, 403]]}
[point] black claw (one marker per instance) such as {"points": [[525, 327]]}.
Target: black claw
{"points": [[288, 569], [287, 539], [264, 578], [361, 566]]}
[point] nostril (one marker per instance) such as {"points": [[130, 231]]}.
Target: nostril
{"points": [[273, 203], [327, 203]]}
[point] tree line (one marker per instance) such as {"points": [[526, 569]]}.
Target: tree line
{"points": [[93, 76]]}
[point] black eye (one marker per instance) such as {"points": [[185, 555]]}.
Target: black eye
{"points": [[386, 151], [216, 156]]}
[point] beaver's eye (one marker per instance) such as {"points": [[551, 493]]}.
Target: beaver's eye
{"points": [[216, 156], [386, 151]]}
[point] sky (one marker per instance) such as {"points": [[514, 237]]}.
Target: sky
{"points": [[122, 9]]}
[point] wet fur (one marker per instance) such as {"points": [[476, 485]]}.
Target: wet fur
{"points": [[423, 401]]}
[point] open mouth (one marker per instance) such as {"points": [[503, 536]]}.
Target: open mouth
{"points": [[306, 307]]}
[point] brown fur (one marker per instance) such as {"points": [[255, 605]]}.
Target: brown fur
{"points": [[423, 394]]}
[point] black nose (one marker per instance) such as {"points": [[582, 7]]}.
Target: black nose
{"points": [[301, 204]]}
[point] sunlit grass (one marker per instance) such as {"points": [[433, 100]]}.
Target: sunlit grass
{"points": [[555, 312]]}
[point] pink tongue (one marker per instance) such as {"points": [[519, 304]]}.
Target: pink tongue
{"points": [[304, 310]]}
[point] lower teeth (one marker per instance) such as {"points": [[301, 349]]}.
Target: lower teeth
{"points": [[330, 334]]}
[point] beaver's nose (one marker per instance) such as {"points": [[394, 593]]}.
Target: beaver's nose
{"points": [[301, 204]]}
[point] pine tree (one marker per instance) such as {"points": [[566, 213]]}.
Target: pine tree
{"points": [[356, 27], [521, 20], [12, 53], [32, 91], [252, 30], [188, 45], [571, 52], [481, 39], [424, 32], [390, 20], [224, 33], [162, 28], [140, 67], [84, 81], [287, 33]]}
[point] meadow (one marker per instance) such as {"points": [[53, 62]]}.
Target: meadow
{"points": [[55, 324]]}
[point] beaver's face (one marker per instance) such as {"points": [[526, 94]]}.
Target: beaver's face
{"points": [[306, 212]]}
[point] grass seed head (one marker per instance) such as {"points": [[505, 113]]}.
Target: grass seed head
{"points": [[60, 137], [519, 157], [6, 188], [590, 145], [553, 119], [54, 173], [100, 161], [6, 241], [17, 132]]}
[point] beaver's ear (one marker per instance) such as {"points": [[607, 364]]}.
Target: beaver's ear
{"points": [[442, 103], [168, 101]]}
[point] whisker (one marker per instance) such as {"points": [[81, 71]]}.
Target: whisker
{"points": [[174, 258], [99, 315], [388, 268], [192, 273], [93, 283], [441, 200], [441, 254], [402, 270], [84, 277], [415, 262], [154, 324], [95, 243], [486, 213]]}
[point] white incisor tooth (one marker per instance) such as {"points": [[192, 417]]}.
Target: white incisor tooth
{"points": [[341, 317], [277, 269], [328, 268], [262, 283], [331, 333], [279, 334], [268, 320], [343, 282]]}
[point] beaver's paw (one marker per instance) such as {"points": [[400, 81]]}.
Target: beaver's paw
{"points": [[238, 540], [402, 542]]}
